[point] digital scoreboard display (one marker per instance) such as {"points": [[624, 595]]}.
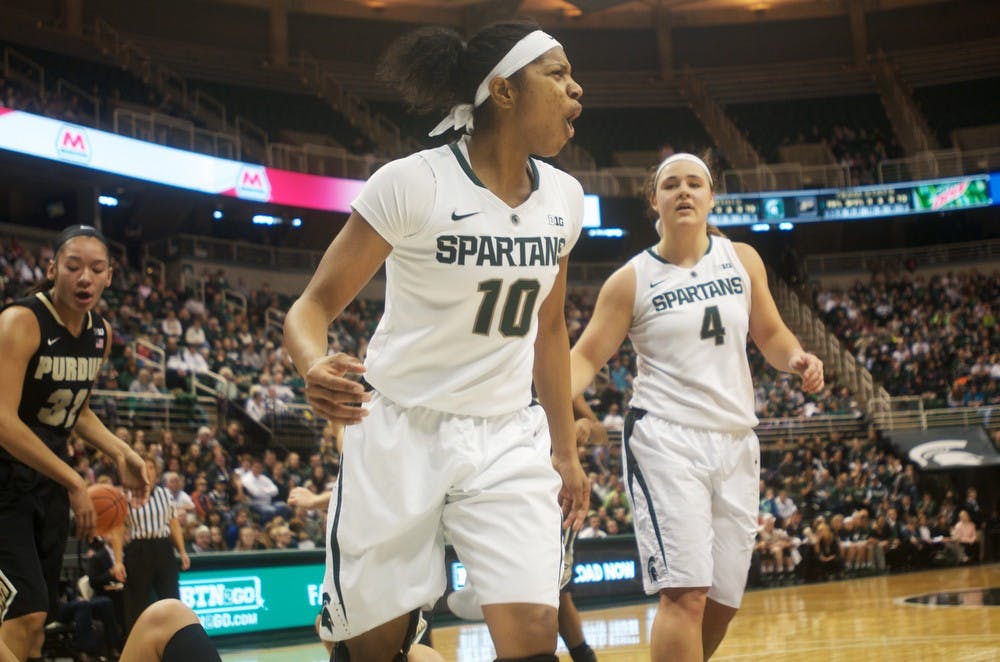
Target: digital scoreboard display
{"points": [[860, 203]]}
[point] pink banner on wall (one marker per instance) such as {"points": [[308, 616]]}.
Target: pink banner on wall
{"points": [[86, 147]]}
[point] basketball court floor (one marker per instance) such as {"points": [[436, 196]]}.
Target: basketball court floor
{"points": [[951, 615]]}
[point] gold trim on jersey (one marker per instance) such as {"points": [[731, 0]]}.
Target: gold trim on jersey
{"points": [[41, 296]]}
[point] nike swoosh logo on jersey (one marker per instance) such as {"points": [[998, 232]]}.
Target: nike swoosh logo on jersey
{"points": [[53, 341], [455, 216], [654, 284]]}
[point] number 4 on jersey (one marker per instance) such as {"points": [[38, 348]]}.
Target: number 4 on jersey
{"points": [[711, 325]]}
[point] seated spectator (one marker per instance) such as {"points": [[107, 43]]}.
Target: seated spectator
{"points": [[180, 499], [231, 531], [217, 541], [194, 336], [193, 359], [143, 384], [784, 506], [827, 554], [281, 391], [202, 498], [964, 536], [261, 492], [593, 529], [171, 326], [613, 421], [81, 611], [774, 546], [283, 538], [255, 405], [249, 540], [202, 542]]}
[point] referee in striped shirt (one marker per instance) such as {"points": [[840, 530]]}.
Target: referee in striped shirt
{"points": [[150, 566]]}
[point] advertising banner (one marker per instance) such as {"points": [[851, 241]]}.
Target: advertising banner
{"points": [[253, 598], [944, 449], [235, 593]]}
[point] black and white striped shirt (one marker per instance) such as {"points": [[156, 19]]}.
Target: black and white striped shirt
{"points": [[153, 519]]}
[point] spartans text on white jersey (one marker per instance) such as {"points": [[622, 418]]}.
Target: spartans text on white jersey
{"points": [[465, 279], [689, 330]]}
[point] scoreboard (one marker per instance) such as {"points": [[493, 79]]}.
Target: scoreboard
{"points": [[858, 203]]}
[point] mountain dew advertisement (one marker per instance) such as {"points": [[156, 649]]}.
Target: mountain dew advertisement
{"points": [[955, 194]]}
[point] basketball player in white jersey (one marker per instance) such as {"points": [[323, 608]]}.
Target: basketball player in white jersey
{"points": [[475, 238], [691, 456]]}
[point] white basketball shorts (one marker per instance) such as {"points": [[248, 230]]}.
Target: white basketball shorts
{"points": [[408, 477], [695, 496]]}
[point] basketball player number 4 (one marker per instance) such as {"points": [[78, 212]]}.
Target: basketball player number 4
{"points": [[518, 307], [711, 325], [63, 408]]}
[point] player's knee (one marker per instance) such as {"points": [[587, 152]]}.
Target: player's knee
{"points": [[539, 622], [167, 616], [689, 602], [30, 626]]}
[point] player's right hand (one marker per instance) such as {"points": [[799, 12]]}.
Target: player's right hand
{"points": [[83, 511], [332, 394], [301, 497]]}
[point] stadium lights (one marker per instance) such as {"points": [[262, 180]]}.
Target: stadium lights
{"points": [[107, 201], [296, 222], [265, 219], [606, 233], [786, 226], [217, 214], [760, 227]]}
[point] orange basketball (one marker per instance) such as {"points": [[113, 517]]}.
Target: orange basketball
{"points": [[110, 506]]}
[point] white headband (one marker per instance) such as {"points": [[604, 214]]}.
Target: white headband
{"points": [[523, 52], [683, 156]]}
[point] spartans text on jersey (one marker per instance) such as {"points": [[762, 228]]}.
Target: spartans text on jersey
{"points": [[480, 250], [700, 292]]}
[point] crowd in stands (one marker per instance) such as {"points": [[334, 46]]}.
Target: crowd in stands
{"points": [[859, 149], [930, 336], [834, 506], [233, 495]]}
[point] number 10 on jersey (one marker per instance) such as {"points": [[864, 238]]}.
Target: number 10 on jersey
{"points": [[518, 306]]}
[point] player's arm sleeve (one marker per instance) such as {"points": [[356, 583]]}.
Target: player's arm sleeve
{"points": [[397, 200]]}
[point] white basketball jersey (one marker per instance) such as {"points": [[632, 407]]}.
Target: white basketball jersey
{"points": [[689, 331], [465, 279]]}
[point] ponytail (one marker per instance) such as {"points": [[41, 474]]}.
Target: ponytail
{"points": [[433, 69]]}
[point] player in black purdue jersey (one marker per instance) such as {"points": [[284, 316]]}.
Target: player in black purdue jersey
{"points": [[52, 346]]}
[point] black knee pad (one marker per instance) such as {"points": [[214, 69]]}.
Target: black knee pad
{"points": [[583, 653], [551, 657], [190, 644], [342, 654]]}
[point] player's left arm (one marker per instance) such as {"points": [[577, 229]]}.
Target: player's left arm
{"points": [[552, 384], [774, 339], [131, 467]]}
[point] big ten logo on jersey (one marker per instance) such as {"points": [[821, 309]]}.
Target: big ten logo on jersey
{"points": [[252, 184], [73, 144], [556, 220]]}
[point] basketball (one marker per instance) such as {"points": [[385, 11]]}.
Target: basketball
{"points": [[110, 507]]}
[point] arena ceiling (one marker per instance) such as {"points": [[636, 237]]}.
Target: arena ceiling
{"points": [[580, 13]]}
